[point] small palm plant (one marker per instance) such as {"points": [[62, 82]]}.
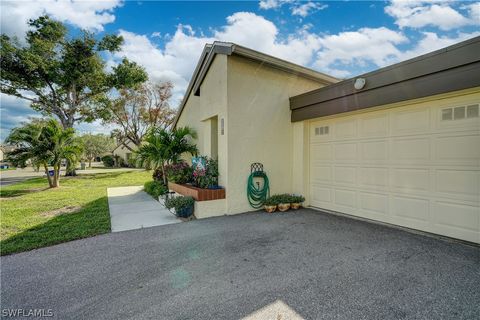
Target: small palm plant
{"points": [[44, 143], [162, 147]]}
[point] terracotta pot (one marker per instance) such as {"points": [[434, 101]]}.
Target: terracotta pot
{"points": [[270, 209], [295, 206], [284, 206]]}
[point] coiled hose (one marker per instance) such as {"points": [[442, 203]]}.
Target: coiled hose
{"points": [[257, 195]]}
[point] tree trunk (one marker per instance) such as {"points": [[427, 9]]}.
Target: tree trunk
{"points": [[50, 180], [56, 176], [90, 162], [164, 174]]}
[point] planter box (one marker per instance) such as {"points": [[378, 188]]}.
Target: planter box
{"points": [[197, 193]]}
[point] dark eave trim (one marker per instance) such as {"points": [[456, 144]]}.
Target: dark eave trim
{"points": [[449, 69]]}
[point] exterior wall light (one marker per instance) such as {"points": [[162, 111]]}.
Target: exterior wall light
{"points": [[359, 83]]}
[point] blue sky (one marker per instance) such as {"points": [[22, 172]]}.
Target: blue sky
{"points": [[341, 38]]}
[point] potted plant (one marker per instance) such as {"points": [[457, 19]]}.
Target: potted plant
{"points": [[270, 204], [284, 202], [183, 206], [296, 201]]}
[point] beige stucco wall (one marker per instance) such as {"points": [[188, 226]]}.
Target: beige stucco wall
{"points": [[199, 110], [253, 101], [259, 127]]}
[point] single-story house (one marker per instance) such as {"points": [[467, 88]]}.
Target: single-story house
{"points": [[399, 145], [124, 153]]}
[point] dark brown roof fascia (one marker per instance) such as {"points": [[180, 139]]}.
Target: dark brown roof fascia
{"points": [[455, 79]]}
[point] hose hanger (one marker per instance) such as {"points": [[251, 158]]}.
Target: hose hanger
{"points": [[256, 194]]}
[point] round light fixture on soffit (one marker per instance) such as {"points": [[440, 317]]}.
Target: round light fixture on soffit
{"points": [[359, 83]]}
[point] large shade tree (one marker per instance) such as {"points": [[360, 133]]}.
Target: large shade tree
{"points": [[136, 111], [61, 75], [162, 147], [45, 144]]}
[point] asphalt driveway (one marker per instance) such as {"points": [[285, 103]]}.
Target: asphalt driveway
{"points": [[321, 266]]}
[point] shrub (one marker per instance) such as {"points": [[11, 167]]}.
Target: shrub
{"points": [[271, 201], [179, 173], [132, 162], [280, 198], [297, 198], [179, 203], [155, 188], [208, 177], [108, 161]]}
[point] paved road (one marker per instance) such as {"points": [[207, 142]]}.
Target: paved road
{"points": [[9, 177], [132, 208], [319, 266]]}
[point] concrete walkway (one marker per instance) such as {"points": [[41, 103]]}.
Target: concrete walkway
{"points": [[132, 208]]}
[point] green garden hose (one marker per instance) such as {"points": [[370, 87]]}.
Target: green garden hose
{"points": [[257, 195]]}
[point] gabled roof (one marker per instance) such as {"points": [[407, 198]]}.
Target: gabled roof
{"points": [[227, 48]]}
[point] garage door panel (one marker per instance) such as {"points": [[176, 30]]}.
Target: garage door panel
{"points": [[411, 150], [345, 129], [321, 194], [376, 203], [345, 175], [464, 149], [404, 166], [410, 211], [456, 215], [373, 177], [374, 126], [321, 174], [455, 183], [375, 151], [408, 122], [345, 152], [345, 198], [410, 179]]}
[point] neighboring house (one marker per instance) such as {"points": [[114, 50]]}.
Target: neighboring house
{"points": [[4, 149], [399, 145], [123, 152]]}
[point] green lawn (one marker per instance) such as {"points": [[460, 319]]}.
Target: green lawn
{"points": [[33, 216]]}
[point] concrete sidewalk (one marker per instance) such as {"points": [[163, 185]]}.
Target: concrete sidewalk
{"points": [[132, 208]]}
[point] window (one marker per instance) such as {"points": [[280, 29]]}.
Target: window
{"points": [[459, 113], [319, 131], [473, 111], [447, 114], [462, 112]]}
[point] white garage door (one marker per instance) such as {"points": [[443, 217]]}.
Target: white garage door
{"points": [[415, 166]]}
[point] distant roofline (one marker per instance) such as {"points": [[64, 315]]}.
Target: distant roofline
{"points": [[227, 48]]}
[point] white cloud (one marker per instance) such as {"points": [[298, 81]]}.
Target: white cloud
{"points": [[90, 15], [421, 13], [272, 4], [177, 60], [361, 47], [297, 7], [431, 42], [474, 12], [305, 9]]}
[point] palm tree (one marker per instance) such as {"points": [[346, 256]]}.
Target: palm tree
{"points": [[44, 143], [162, 147]]}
